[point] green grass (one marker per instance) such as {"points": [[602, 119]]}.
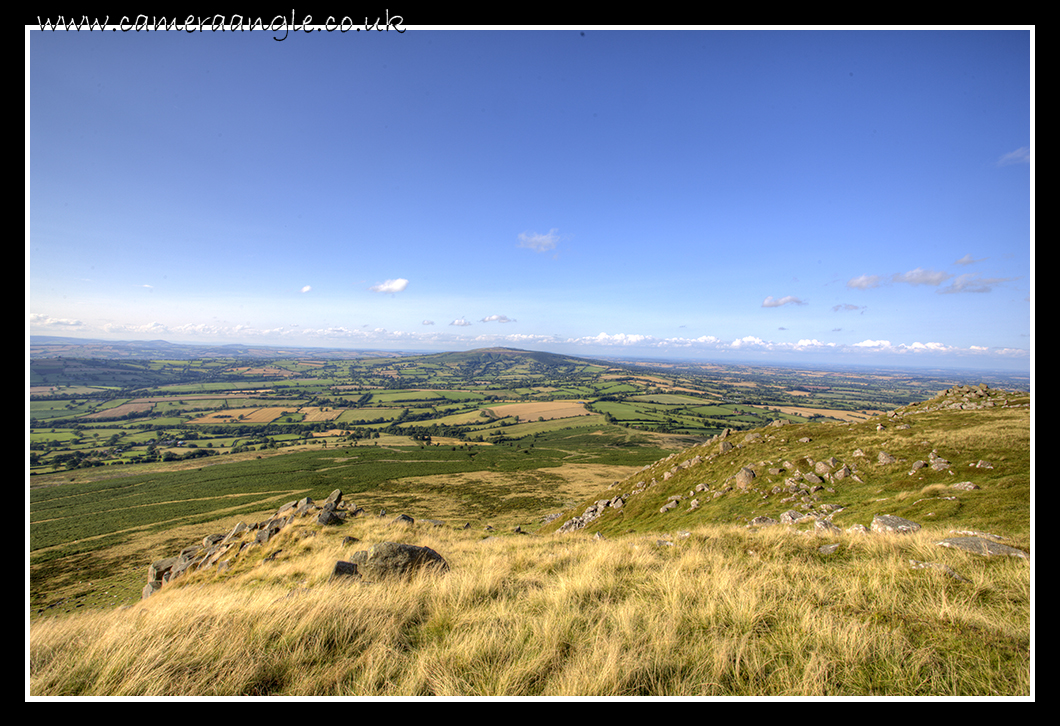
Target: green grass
{"points": [[1000, 504]]}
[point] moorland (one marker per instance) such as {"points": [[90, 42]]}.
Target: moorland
{"points": [[132, 456]]}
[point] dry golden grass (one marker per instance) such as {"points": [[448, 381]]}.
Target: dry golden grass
{"points": [[721, 611], [316, 413], [541, 410], [249, 415]]}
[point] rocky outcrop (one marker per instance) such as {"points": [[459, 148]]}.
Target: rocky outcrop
{"points": [[591, 512], [219, 550]]}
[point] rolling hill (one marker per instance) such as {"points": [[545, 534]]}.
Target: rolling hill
{"points": [[757, 562]]}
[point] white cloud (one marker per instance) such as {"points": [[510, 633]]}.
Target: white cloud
{"points": [[460, 322], [864, 282], [539, 242], [770, 302], [153, 328], [391, 286], [920, 276], [616, 339], [50, 322], [428, 322], [968, 260], [1021, 155], [497, 319], [935, 347], [973, 283], [307, 288], [847, 306], [748, 341], [812, 343], [873, 344]]}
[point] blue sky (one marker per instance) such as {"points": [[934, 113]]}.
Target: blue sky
{"points": [[806, 196]]}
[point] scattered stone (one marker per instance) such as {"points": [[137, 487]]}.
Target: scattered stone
{"points": [[327, 517], [886, 523], [829, 549], [982, 546], [916, 565], [937, 462], [793, 517], [744, 477], [396, 559], [344, 569], [823, 526]]}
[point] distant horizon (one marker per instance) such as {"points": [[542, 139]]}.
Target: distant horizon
{"points": [[627, 357]]}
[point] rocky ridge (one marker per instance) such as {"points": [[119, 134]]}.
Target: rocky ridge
{"points": [[808, 485], [218, 551]]}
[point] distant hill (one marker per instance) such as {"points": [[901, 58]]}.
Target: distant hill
{"points": [[42, 346], [484, 356], [480, 358]]}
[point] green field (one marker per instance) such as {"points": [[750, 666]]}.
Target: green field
{"points": [[89, 412]]}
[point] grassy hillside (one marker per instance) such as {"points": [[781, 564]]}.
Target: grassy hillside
{"points": [[779, 457], [696, 600]]}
